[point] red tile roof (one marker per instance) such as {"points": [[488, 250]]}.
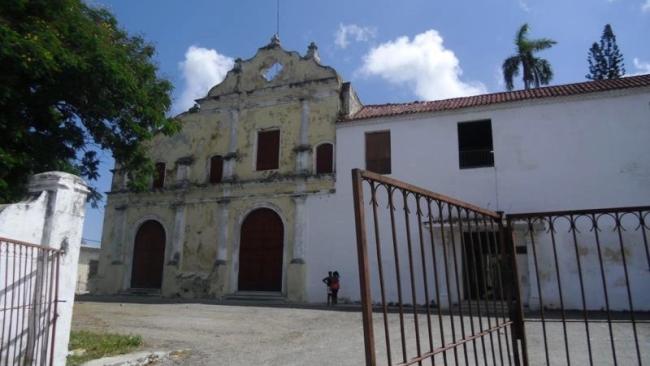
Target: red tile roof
{"points": [[394, 109]]}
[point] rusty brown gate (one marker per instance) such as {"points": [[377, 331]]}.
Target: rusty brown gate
{"points": [[414, 272], [443, 281], [589, 284]]}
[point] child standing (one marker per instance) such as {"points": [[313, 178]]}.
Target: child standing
{"points": [[334, 287], [328, 282]]}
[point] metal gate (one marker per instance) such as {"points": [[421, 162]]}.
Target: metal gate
{"points": [[29, 275], [432, 309], [443, 281], [589, 285]]}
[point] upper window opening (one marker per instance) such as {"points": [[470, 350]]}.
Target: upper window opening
{"points": [[159, 176], [268, 150], [272, 72], [378, 158], [475, 144], [216, 169], [325, 158]]}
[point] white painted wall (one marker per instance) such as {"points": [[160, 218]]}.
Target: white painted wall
{"points": [[51, 217], [581, 152]]}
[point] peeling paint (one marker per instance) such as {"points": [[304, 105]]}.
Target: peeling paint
{"points": [[304, 98]]}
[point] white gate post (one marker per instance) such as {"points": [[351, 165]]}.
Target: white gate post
{"points": [[62, 229]]}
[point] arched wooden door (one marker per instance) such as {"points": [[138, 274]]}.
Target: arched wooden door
{"points": [[261, 251], [148, 256]]}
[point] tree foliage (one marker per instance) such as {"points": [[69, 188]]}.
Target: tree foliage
{"points": [[605, 59], [73, 83], [536, 71]]}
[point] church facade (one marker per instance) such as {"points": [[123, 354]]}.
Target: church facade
{"points": [[253, 195], [226, 209]]}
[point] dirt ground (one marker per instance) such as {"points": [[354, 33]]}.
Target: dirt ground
{"points": [[216, 334]]}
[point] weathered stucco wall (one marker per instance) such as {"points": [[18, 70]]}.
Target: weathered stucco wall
{"points": [[201, 220]]}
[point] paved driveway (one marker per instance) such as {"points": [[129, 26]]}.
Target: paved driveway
{"points": [[233, 335], [254, 335]]}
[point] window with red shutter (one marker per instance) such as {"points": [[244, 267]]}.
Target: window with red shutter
{"points": [[378, 152], [268, 150], [216, 169], [324, 159], [159, 176]]}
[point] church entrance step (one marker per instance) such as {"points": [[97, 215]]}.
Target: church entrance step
{"points": [[257, 296], [142, 292]]}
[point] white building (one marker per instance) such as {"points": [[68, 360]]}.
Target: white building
{"points": [[578, 146]]}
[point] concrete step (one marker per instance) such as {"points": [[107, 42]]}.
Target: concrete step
{"points": [[256, 296], [142, 292]]}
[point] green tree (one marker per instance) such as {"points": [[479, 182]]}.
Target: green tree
{"points": [[73, 83], [536, 71], [605, 58]]}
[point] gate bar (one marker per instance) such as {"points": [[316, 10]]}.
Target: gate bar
{"points": [[364, 272]]}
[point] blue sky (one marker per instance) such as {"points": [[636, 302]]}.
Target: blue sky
{"points": [[391, 51]]}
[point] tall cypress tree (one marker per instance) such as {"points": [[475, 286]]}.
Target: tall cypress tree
{"points": [[605, 59]]}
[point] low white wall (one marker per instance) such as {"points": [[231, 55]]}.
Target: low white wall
{"points": [[85, 278], [52, 217]]}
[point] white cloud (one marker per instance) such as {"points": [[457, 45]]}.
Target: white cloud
{"points": [[352, 32], [422, 64], [202, 69], [642, 67], [645, 7], [523, 4]]}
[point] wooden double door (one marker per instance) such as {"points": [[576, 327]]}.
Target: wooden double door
{"points": [[261, 251], [148, 256]]}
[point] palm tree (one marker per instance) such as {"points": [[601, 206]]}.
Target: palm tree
{"points": [[537, 71]]}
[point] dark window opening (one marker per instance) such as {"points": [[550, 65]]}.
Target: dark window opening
{"points": [[268, 150], [485, 263], [325, 159], [475, 144], [159, 176], [93, 266], [378, 152], [216, 169]]}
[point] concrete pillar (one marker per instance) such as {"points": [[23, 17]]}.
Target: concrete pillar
{"points": [[303, 150], [118, 254], [62, 229], [178, 237], [231, 157], [296, 274], [304, 122], [223, 235], [300, 230]]}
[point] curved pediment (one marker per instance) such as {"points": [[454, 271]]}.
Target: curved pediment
{"points": [[273, 66]]}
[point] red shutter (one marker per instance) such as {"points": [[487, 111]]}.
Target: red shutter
{"points": [[268, 150], [324, 159], [159, 176], [378, 152], [216, 169]]}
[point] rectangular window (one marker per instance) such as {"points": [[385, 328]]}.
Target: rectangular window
{"points": [[268, 150], [475, 144], [324, 158], [159, 176], [93, 265], [216, 169], [378, 152]]}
